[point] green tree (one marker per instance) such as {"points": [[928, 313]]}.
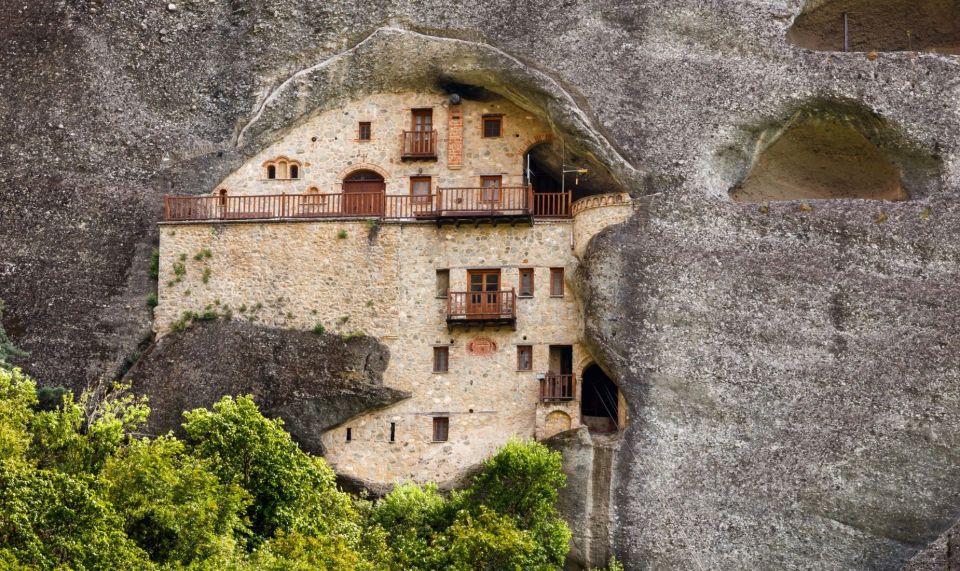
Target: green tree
{"points": [[522, 482], [50, 519], [411, 516], [486, 541], [79, 437], [291, 490], [172, 504], [17, 398]]}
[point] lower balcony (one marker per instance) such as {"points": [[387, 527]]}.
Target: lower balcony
{"points": [[555, 387], [481, 308]]}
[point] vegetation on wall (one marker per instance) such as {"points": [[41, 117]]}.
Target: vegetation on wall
{"points": [[80, 489]]}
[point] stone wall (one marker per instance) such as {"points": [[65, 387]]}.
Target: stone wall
{"points": [[355, 278], [329, 150], [594, 213]]}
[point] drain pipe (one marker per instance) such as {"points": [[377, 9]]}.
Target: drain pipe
{"points": [[846, 32]]}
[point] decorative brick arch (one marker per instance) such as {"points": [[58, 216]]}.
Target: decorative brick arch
{"points": [[532, 142], [362, 167]]}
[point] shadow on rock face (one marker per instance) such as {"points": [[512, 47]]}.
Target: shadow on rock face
{"points": [[313, 382]]}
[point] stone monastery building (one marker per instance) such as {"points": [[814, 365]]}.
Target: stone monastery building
{"points": [[420, 219]]}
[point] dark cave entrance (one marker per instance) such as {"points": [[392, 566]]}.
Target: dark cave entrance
{"points": [[880, 25], [599, 401]]}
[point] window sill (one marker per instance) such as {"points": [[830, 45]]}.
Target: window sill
{"points": [[441, 372], [561, 296], [438, 441], [524, 370], [525, 297]]}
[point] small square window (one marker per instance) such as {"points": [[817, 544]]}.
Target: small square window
{"points": [[441, 359], [526, 282], [441, 428], [524, 357], [364, 132], [492, 126], [443, 283], [556, 282]]}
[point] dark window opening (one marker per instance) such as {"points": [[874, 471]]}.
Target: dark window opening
{"points": [[441, 428], [420, 188], [492, 126], [364, 131], [294, 171], [556, 282], [441, 359], [272, 172], [526, 282], [443, 283], [349, 434], [524, 357], [393, 432], [491, 188], [599, 401]]}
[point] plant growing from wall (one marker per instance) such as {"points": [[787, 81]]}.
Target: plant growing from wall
{"points": [[7, 349]]}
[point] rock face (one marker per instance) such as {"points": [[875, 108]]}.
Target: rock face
{"points": [[313, 382], [792, 376], [791, 370]]}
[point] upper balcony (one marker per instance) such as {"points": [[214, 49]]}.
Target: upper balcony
{"points": [[482, 308], [418, 145], [555, 387], [456, 205]]}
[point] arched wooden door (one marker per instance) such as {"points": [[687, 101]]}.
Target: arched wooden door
{"points": [[363, 193]]}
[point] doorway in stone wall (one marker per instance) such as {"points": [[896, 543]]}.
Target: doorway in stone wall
{"points": [[363, 193], [599, 401]]}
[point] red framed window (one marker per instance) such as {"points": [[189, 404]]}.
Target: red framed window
{"points": [[556, 282], [441, 428]]}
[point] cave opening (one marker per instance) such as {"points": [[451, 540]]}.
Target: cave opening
{"points": [[878, 25], [599, 401], [820, 156]]}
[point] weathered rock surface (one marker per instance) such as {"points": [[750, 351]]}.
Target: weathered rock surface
{"points": [[792, 374], [793, 380], [313, 382]]}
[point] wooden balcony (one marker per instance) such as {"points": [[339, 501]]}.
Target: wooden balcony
{"points": [[555, 387], [418, 146], [482, 308], [456, 205]]}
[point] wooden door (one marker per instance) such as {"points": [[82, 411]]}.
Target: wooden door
{"points": [[483, 301], [490, 188], [363, 193], [422, 128]]}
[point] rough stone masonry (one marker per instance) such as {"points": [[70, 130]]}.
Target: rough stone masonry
{"points": [[792, 367]]}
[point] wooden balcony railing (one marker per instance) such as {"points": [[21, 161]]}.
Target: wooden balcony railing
{"points": [[482, 307], [551, 204], [489, 201], [420, 145], [508, 203], [555, 387]]}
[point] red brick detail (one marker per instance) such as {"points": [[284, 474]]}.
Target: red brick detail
{"points": [[455, 136], [482, 346]]}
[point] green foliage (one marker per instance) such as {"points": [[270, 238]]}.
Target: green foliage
{"points": [[17, 398], [319, 329], [152, 301], [172, 503], [291, 490], [155, 263], [342, 234], [7, 348], [50, 398], [487, 541], [205, 277], [78, 437], [412, 516], [179, 270], [204, 253], [51, 519]]}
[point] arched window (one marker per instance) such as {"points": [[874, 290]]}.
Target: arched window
{"points": [[283, 168]]}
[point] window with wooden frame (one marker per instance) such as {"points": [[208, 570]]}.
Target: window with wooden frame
{"points": [[492, 126], [364, 132], [441, 428], [556, 282], [420, 188], [526, 282], [443, 283], [441, 359], [524, 357], [491, 188]]}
